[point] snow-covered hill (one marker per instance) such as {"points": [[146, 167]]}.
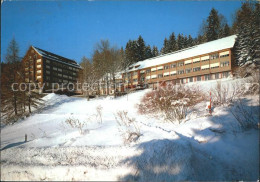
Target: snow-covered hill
{"points": [[202, 148]]}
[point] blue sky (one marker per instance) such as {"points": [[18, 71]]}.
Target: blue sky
{"points": [[72, 29]]}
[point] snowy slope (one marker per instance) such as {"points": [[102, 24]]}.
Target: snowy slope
{"points": [[202, 148]]}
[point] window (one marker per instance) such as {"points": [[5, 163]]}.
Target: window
{"points": [[191, 79], [224, 54], [216, 76], [214, 56], [204, 58], [224, 64], [166, 67], [180, 72], [173, 73], [195, 60], [153, 69], [47, 61], [196, 69], [148, 71], [47, 66], [59, 69], [173, 65], [135, 73], [160, 75], [207, 77], [188, 62], [225, 74], [160, 68], [198, 78], [54, 68], [180, 64], [47, 78], [188, 70]]}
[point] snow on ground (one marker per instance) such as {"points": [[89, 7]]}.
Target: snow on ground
{"points": [[202, 148]]}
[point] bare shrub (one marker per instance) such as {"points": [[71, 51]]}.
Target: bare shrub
{"points": [[127, 126], [221, 94], [75, 123], [246, 116], [170, 102]]}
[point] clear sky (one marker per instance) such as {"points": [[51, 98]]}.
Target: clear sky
{"points": [[71, 29]]}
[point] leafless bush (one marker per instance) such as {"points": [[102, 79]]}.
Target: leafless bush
{"points": [[127, 126], [75, 123], [221, 94], [170, 102], [246, 116]]}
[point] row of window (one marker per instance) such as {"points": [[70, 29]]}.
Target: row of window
{"points": [[206, 77], [61, 80], [173, 66], [56, 64]]}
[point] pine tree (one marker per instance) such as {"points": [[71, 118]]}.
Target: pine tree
{"points": [[244, 48], [255, 47], [225, 31], [213, 25], [180, 42], [165, 48], [141, 49], [172, 44], [148, 52], [190, 41], [155, 51]]}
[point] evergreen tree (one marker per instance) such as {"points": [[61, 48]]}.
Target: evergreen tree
{"points": [[155, 51], [245, 48], [213, 25], [172, 44], [165, 48], [148, 52], [255, 47], [190, 41], [225, 31], [180, 42], [141, 49]]}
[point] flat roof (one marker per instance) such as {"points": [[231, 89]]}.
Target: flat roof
{"points": [[212, 46]]}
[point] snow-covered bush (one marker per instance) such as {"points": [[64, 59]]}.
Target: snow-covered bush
{"points": [[75, 123], [171, 102], [127, 126]]}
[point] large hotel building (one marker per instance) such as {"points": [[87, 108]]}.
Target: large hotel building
{"points": [[46, 68], [211, 60]]}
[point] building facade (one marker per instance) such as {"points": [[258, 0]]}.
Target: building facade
{"points": [[211, 60], [48, 69]]}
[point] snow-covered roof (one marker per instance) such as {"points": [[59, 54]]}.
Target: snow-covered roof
{"points": [[55, 57], [212, 46]]}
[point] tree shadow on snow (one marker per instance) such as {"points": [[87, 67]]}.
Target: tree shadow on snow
{"points": [[13, 145], [188, 158]]}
